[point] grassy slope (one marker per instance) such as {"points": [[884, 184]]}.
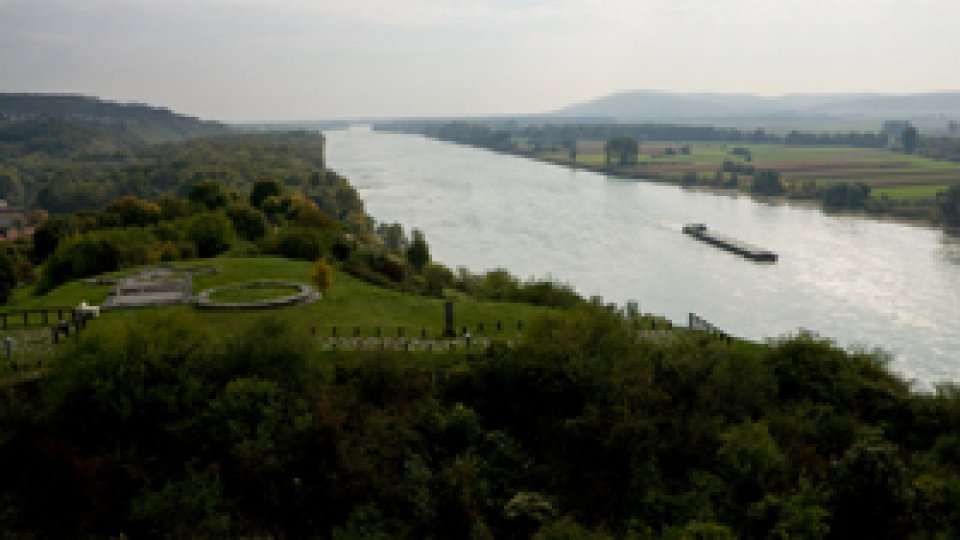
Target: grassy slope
{"points": [[349, 302]]}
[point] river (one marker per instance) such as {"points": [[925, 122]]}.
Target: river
{"points": [[861, 282]]}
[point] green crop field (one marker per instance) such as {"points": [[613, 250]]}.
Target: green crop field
{"points": [[903, 193], [900, 177]]}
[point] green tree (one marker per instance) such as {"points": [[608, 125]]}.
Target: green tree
{"points": [[767, 182], [11, 188], [418, 254], [212, 232], [49, 234], [910, 139], [870, 491], [437, 278], [209, 194], [8, 276], [249, 222], [844, 195], [133, 211], [302, 243], [173, 207], [949, 203], [263, 188], [625, 149]]}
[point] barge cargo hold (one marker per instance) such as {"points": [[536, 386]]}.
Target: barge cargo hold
{"points": [[754, 253]]}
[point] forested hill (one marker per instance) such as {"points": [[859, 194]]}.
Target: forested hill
{"points": [[61, 125]]}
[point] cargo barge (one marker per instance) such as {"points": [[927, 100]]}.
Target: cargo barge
{"points": [[754, 253]]}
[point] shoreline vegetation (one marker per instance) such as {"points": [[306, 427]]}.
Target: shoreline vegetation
{"points": [[863, 174]]}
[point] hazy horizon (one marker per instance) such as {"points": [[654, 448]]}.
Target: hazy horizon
{"points": [[256, 60]]}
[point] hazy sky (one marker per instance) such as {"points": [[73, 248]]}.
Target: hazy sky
{"points": [[309, 59]]}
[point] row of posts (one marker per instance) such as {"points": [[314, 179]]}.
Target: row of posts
{"points": [[402, 330], [44, 316], [60, 328]]}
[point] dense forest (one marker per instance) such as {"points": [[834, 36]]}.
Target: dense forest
{"points": [[77, 145], [582, 431], [133, 122]]}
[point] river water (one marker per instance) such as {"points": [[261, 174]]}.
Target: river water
{"points": [[863, 283]]}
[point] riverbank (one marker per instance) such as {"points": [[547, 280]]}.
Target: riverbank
{"points": [[872, 183], [922, 212], [866, 282]]}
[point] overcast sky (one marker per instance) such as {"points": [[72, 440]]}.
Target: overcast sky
{"points": [[240, 60]]}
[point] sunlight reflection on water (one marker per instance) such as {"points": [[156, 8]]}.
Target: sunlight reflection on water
{"points": [[858, 281]]}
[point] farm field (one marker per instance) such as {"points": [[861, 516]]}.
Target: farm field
{"points": [[899, 176]]}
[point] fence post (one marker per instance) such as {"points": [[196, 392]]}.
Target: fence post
{"points": [[448, 330]]}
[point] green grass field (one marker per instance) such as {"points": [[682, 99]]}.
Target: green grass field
{"points": [[347, 304], [906, 193], [242, 294], [901, 177]]}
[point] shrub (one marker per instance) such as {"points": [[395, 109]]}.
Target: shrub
{"points": [[300, 243], [322, 275], [212, 232]]}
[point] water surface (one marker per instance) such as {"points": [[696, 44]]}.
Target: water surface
{"points": [[862, 282]]}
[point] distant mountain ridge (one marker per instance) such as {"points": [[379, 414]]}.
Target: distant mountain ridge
{"points": [[653, 106], [136, 120]]}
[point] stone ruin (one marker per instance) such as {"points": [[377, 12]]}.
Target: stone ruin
{"points": [[151, 287]]}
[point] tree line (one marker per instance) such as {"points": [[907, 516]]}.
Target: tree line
{"points": [[501, 136]]}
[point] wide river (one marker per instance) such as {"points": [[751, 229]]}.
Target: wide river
{"points": [[861, 282]]}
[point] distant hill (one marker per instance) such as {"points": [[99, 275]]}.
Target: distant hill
{"points": [[800, 110], [69, 122]]}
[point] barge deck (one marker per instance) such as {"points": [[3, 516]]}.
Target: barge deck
{"points": [[754, 253]]}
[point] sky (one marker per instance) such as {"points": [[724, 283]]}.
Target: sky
{"points": [[259, 60]]}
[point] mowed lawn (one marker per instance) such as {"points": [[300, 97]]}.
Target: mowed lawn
{"points": [[349, 303]]}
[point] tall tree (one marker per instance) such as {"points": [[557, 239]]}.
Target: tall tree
{"points": [[263, 188], [8, 277], [624, 149], [208, 193], [767, 182], [949, 202], [419, 252], [910, 139]]}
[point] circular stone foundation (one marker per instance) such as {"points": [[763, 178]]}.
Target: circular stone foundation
{"points": [[304, 294]]}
